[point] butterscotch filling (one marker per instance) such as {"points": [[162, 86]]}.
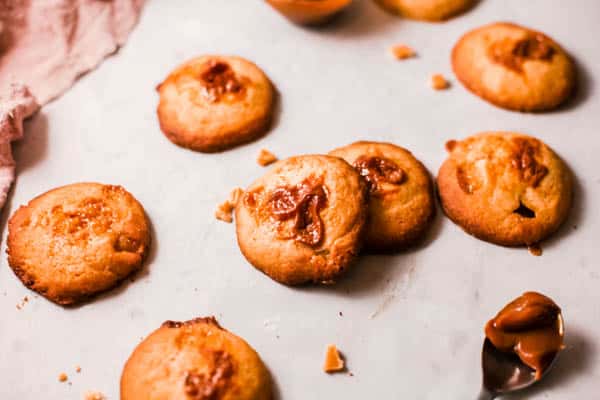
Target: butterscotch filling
{"points": [[301, 203], [378, 170], [210, 385], [530, 327], [512, 54], [530, 170], [218, 80]]}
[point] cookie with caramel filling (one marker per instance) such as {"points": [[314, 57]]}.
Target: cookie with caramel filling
{"points": [[77, 240], [194, 360], [505, 188], [309, 12], [212, 103], [426, 10], [401, 202], [514, 67], [303, 220]]}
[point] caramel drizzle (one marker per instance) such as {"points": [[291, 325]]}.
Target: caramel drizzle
{"points": [[210, 386], [378, 170], [218, 80], [303, 203], [513, 54]]}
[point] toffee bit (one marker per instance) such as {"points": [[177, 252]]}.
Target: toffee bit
{"points": [[438, 82], [333, 360], [265, 157], [402, 52]]}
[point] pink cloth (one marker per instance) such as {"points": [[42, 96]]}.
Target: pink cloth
{"points": [[45, 45], [48, 44], [14, 108]]}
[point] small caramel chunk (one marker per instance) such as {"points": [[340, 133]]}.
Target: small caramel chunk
{"points": [[450, 145], [265, 157], [62, 377], [93, 395], [303, 203], [530, 327], [535, 250], [218, 80], [402, 52], [465, 181], [525, 162], [333, 360], [378, 170], [438, 82], [77, 369]]}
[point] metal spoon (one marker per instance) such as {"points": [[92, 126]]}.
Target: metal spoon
{"points": [[505, 373]]}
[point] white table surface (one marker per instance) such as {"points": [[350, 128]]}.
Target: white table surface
{"points": [[412, 322]]}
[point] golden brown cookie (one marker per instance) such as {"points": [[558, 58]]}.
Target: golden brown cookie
{"points": [[309, 12], [77, 240], [505, 188], [303, 220], [194, 360], [212, 103], [514, 67], [426, 10], [401, 201]]}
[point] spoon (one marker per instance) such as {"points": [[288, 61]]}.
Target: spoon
{"points": [[505, 373]]}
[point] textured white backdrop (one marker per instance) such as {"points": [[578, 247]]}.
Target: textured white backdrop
{"points": [[337, 85]]}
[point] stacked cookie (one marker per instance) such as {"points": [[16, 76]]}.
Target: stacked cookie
{"points": [[309, 217]]}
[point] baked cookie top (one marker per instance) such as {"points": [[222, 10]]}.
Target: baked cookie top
{"points": [[514, 67], [426, 10], [77, 240], [309, 11], [195, 360], [302, 221], [212, 103], [401, 202], [506, 188]]}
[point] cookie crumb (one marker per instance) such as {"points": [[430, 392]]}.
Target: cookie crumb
{"points": [[62, 377], [224, 210], [77, 369], [22, 303], [438, 82], [333, 360], [93, 395], [235, 196], [402, 52], [265, 157]]}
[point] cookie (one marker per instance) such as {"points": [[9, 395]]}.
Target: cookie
{"points": [[401, 201], [303, 220], [77, 240], [426, 10], [195, 360], [514, 67], [505, 188], [309, 12], [212, 103]]}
